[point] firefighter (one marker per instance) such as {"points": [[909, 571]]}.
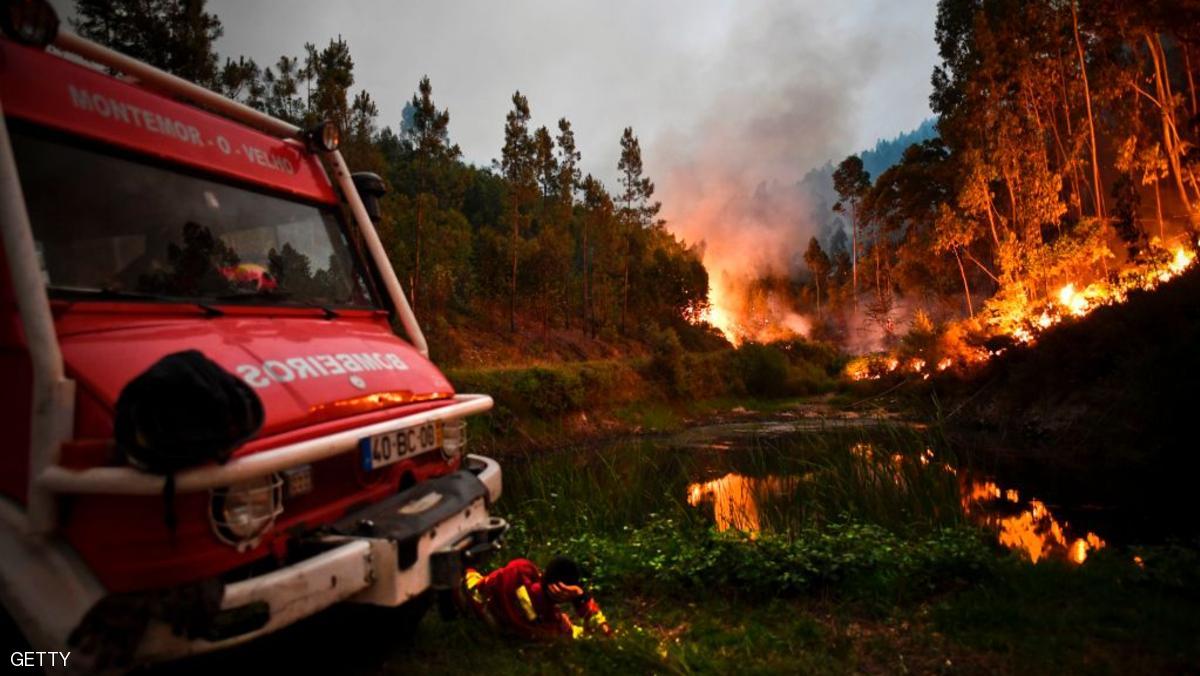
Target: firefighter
{"points": [[522, 600]]}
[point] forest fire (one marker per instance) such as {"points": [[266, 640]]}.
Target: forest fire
{"points": [[1023, 322], [758, 312], [718, 315], [1071, 302]]}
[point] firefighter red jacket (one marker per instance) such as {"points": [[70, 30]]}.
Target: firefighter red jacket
{"points": [[513, 598]]}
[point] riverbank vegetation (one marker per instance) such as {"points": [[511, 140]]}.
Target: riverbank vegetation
{"points": [[857, 562], [547, 404]]}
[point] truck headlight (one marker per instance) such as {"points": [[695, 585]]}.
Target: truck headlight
{"points": [[454, 438], [242, 513]]}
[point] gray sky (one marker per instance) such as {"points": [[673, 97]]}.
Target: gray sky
{"points": [[668, 68], [733, 101]]}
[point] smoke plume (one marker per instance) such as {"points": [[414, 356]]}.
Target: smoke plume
{"points": [[794, 83]]}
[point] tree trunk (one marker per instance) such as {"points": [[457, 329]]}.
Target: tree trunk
{"points": [[587, 325], [1162, 57], [991, 214], [1087, 97], [625, 289], [1158, 211], [854, 255], [1187, 67], [817, 279], [1062, 155], [1014, 216], [966, 287], [878, 278], [1075, 179], [1164, 107], [512, 295], [416, 284]]}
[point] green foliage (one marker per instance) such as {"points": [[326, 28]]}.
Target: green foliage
{"points": [[763, 369], [175, 36], [811, 367], [857, 559], [460, 237], [667, 362]]}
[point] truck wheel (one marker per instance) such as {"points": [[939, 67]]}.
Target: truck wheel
{"points": [[398, 622], [406, 617], [447, 608]]}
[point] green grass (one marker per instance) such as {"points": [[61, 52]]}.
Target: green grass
{"points": [[876, 541], [650, 417], [866, 565]]}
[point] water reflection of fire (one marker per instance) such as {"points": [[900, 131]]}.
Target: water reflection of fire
{"points": [[1033, 531], [735, 499]]}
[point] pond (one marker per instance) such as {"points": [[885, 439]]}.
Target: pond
{"points": [[785, 476]]}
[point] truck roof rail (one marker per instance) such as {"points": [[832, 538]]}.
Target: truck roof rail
{"points": [[165, 83]]}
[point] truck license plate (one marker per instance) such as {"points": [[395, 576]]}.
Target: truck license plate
{"points": [[384, 449]]}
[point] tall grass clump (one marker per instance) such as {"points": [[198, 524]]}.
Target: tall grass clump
{"points": [[866, 509]]}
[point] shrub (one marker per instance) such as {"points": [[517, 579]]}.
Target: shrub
{"points": [[763, 369], [547, 392], [666, 362]]}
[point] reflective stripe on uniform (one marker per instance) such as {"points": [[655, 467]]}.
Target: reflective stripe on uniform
{"points": [[526, 603], [595, 620], [472, 580]]}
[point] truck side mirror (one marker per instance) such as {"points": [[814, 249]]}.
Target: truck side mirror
{"points": [[370, 188]]}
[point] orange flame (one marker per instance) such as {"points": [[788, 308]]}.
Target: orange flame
{"points": [[1024, 322], [742, 316], [719, 316]]}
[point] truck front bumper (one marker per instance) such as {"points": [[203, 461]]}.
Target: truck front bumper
{"points": [[386, 554]]}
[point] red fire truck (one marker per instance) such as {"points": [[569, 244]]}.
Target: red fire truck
{"points": [[143, 215]]}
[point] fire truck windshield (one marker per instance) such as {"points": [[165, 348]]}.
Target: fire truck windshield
{"points": [[109, 224]]}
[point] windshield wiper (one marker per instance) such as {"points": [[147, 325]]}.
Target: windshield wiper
{"points": [[252, 295], [109, 293], [260, 295]]}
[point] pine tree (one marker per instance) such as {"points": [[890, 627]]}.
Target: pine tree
{"points": [[330, 73], [567, 182], [851, 182], [282, 90], [637, 211], [174, 35], [818, 264], [598, 211], [429, 137], [517, 164]]}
